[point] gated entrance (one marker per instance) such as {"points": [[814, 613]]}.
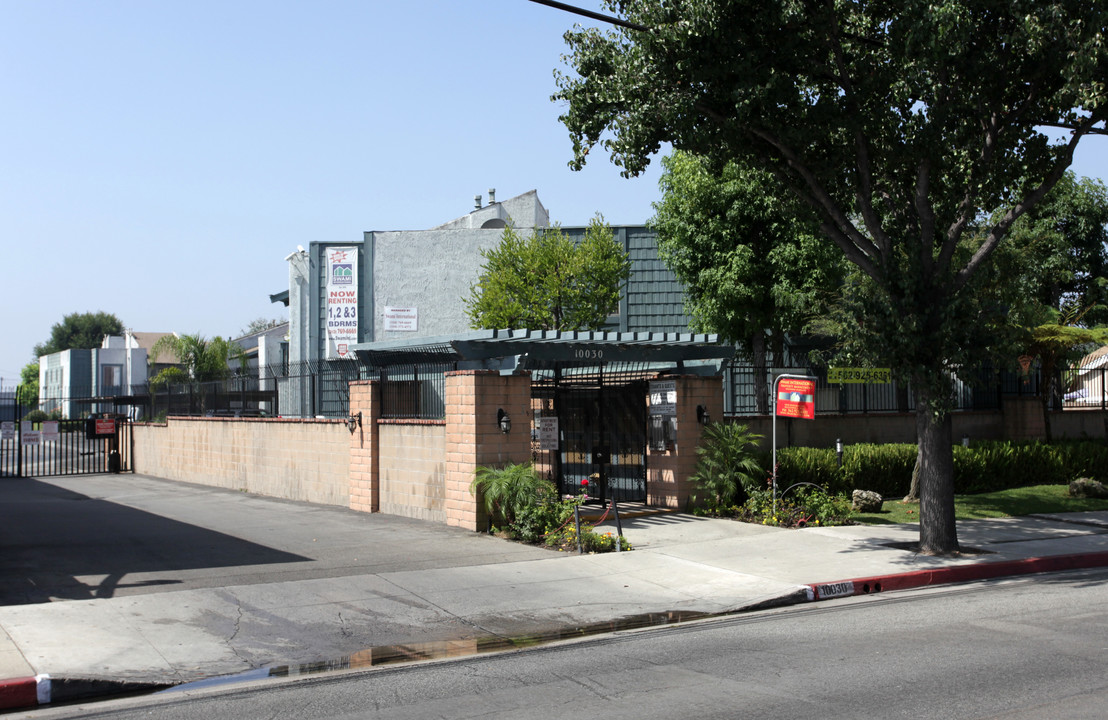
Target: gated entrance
{"points": [[65, 447], [601, 433]]}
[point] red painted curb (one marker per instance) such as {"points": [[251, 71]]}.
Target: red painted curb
{"points": [[18, 693], [955, 574]]}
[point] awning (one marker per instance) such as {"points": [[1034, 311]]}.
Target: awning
{"points": [[533, 349]]}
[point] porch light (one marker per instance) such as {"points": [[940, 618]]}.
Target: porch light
{"points": [[702, 415], [503, 421], [354, 422], [965, 441]]}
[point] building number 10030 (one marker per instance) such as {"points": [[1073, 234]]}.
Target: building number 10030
{"points": [[588, 354]]}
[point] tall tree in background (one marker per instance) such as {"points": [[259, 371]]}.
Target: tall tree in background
{"points": [[76, 331], [545, 281], [900, 123], [80, 331], [751, 257]]}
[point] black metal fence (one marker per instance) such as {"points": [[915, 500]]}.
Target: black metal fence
{"points": [[1075, 387]]}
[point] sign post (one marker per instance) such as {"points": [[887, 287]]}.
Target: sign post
{"points": [[794, 396]]}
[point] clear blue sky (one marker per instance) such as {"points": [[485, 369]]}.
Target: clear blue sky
{"points": [[160, 159]]}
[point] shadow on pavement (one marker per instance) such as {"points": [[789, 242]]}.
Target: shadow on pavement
{"points": [[51, 537]]}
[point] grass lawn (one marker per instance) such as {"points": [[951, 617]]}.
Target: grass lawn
{"points": [[1006, 503]]}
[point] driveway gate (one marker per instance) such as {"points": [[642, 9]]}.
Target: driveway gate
{"points": [[65, 447], [602, 429]]}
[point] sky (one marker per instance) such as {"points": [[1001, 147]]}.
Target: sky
{"points": [[160, 159]]}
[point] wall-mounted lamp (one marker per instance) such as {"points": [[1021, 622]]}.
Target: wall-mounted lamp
{"points": [[965, 441], [503, 421], [354, 422], [702, 415]]}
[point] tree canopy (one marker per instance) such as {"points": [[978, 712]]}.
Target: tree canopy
{"points": [[751, 257], [901, 124], [80, 331], [545, 281]]}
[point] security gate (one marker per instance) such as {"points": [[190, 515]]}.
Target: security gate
{"points": [[65, 447], [602, 428]]}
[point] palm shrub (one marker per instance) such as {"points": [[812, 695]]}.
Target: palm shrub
{"points": [[728, 468], [508, 492]]}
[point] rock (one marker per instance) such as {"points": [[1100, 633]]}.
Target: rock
{"points": [[866, 501], [1088, 488]]}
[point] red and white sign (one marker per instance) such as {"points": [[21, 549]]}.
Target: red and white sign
{"points": [[796, 398], [105, 426]]}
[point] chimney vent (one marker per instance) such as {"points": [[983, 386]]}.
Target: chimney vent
{"points": [[492, 196], [476, 202]]}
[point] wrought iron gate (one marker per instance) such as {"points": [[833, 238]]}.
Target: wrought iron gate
{"points": [[602, 428], [64, 447]]}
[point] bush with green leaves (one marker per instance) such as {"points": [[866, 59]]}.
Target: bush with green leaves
{"points": [[36, 416], [728, 466], [801, 507], [508, 491], [986, 466]]}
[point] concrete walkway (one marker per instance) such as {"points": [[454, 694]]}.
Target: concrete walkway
{"points": [[125, 578]]}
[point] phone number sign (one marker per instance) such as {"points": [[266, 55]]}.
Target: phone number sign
{"points": [[876, 376]]}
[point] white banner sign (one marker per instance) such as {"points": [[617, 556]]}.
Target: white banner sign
{"points": [[342, 300], [402, 319], [663, 397], [7, 431], [27, 436], [50, 432], [548, 433]]}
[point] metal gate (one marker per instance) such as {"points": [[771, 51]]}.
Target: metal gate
{"points": [[602, 433], [65, 447]]}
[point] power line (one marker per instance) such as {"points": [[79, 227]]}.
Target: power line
{"points": [[590, 14]]}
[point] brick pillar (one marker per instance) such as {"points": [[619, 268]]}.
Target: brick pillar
{"points": [[473, 437], [667, 477], [365, 487]]}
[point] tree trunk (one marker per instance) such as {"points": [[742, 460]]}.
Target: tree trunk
{"points": [[761, 386], [938, 534], [913, 489]]}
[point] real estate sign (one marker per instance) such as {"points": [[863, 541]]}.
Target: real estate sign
{"points": [[342, 300], [796, 398]]}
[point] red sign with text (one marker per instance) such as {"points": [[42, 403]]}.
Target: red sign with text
{"points": [[105, 426], [796, 398]]}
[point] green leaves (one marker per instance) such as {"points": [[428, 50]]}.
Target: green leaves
{"points": [[546, 282], [199, 359]]}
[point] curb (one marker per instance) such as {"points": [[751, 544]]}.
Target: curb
{"points": [[24, 692], [955, 574], [29, 692]]}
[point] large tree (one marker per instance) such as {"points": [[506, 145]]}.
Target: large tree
{"points": [[902, 123], [546, 281], [751, 257], [80, 331]]}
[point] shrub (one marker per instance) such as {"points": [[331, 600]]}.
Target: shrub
{"points": [[800, 508], [987, 466], [36, 416], [727, 466], [511, 490]]}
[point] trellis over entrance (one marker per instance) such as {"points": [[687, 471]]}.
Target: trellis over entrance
{"points": [[595, 383]]}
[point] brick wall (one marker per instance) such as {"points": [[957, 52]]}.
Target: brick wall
{"points": [[306, 460], [473, 437], [413, 468], [667, 473]]}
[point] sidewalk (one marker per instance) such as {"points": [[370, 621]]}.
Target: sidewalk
{"points": [[308, 599]]}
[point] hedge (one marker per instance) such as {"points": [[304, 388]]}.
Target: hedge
{"points": [[984, 467]]}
